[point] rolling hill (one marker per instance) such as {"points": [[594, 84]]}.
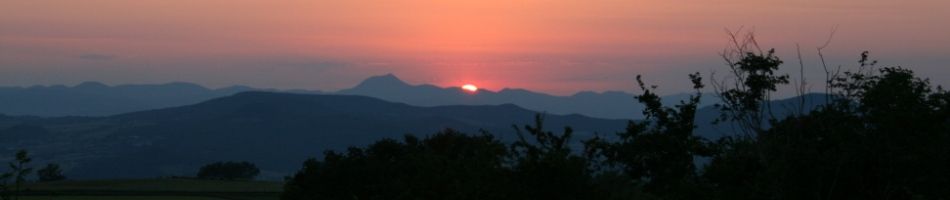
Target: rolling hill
{"points": [[275, 130]]}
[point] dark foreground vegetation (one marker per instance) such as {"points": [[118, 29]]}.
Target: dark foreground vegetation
{"points": [[884, 134], [219, 180]]}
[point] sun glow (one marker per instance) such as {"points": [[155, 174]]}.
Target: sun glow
{"points": [[469, 88]]}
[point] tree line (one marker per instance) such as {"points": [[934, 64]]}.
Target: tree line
{"points": [[13, 182], [19, 170], [883, 134]]}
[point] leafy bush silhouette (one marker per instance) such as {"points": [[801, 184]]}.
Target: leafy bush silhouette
{"points": [[659, 151], [884, 136], [544, 163], [446, 165], [50, 173]]}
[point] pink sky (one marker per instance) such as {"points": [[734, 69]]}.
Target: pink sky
{"points": [[556, 46]]}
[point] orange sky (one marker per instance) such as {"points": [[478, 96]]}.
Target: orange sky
{"points": [[556, 46]]}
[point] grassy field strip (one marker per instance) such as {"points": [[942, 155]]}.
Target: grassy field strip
{"points": [[161, 185], [116, 198], [155, 189], [213, 195]]}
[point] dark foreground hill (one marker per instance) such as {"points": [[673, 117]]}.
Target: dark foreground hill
{"points": [[275, 130]]}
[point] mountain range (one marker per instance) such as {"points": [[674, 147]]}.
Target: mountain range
{"points": [[275, 130], [609, 104], [97, 99], [134, 131]]}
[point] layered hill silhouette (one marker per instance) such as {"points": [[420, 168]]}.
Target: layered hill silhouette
{"points": [[275, 130], [610, 104], [97, 99]]}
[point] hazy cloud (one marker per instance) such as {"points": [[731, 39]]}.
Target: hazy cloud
{"points": [[550, 46]]}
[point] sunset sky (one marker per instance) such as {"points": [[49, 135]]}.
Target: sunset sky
{"points": [[554, 46]]}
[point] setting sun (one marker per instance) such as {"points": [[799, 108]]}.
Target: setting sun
{"points": [[469, 88]]}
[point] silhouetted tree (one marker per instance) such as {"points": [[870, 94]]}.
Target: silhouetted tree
{"points": [[545, 167], [50, 173], [884, 136], [746, 100], [18, 172], [745, 104], [660, 150], [5, 193], [229, 171]]}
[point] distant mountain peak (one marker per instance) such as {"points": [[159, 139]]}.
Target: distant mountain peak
{"points": [[515, 90], [91, 84], [387, 80], [184, 85], [386, 77], [179, 83]]}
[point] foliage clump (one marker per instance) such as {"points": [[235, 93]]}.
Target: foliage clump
{"points": [[51, 172]]}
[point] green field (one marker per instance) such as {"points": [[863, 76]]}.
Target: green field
{"points": [[154, 189], [118, 198]]}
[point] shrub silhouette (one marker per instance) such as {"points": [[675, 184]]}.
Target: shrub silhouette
{"points": [[446, 165], [543, 163], [659, 151], [885, 136], [50, 173]]}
